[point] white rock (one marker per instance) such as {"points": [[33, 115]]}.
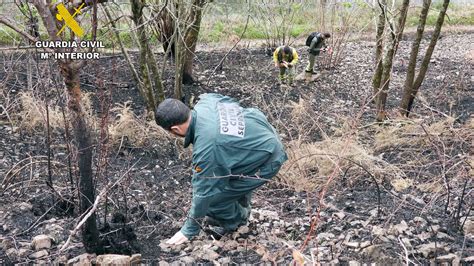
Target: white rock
{"points": [[446, 258], [339, 215], [188, 260], [378, 231], [163, 263], [41, 242], [39, 254], [352, 244], [468, 260], [113, 259], [243, 230], [83, 259], [136, 259], [428, 249], [364, 244], [468, 227]]}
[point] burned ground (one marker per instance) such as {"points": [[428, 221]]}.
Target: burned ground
{"points": [[352, 190]]}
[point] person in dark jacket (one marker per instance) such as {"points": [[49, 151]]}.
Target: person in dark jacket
{"points": [[316, 45], [235, 151]]}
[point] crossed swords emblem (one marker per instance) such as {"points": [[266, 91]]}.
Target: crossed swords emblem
{"points": [[63, 14]]}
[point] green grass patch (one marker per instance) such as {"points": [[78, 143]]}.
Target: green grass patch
{"points": [[9, 36]]}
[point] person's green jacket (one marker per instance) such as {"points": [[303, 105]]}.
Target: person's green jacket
{"points": [[228, 141], [317, 44]]}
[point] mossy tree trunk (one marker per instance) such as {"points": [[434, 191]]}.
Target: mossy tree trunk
{"points": [[152, 91]]}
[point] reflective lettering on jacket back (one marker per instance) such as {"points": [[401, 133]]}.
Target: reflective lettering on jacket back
{"points": [[231, 119]]}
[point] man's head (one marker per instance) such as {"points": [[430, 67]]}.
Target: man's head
{"points": [[286, 49], [174, 116], [326, 35]]}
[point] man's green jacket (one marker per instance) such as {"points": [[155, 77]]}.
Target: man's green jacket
{"points": [[317, 44], [228, 141]]}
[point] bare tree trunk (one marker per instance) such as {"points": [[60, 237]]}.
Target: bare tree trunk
{"points": [[182, 35], [392, 45], [379, 47], [411, 90]]}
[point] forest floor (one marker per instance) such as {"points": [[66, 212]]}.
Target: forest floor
{"points": [[352, 190]]}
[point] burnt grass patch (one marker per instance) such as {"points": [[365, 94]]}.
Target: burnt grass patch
{"points": [[151, 202]]}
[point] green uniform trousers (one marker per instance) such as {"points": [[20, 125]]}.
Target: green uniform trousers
{"points": [[310, 66], [288, 71], [231, 208]]}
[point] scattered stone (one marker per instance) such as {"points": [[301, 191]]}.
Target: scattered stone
{"points": [[447, 258], [24, 206], [364, 244], [243, 230], [6, 243], [136, 259], [468, 226], [208, 254], [12, 253], [164, 247], [39, 254], [468, 260], [83, 259], [113, 259], [420, 221], [339, 215], [374, 251], [424, 236], [163, 263], [407, 243], [354, 263], [427, 249], [41, 242], [187, 260], [224, 261], [325, 236], [378, 231], [61, 260], [441, 235], [22, 252], [435, 228], [352, 244], [398, 229]]}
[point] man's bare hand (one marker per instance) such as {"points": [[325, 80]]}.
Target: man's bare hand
{"points": [[177, 239]]}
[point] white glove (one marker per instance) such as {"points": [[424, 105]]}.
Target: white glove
{"points": [[177, 239]]}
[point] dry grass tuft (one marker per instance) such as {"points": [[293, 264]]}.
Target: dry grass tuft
{"points": [[137, 131], [310, 164], [33, 113], [411, 133]]}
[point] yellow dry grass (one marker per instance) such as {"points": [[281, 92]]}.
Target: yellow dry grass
{"points": [[33, 113], [309, 165], [136, 130]]}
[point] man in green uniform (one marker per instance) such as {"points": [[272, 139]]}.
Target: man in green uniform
{"points": [[316, 43], [235, 150], [285, 58]]}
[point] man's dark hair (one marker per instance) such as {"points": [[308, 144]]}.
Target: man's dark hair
{"points": [[326, 35], [287, 49], [171, 112]]}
